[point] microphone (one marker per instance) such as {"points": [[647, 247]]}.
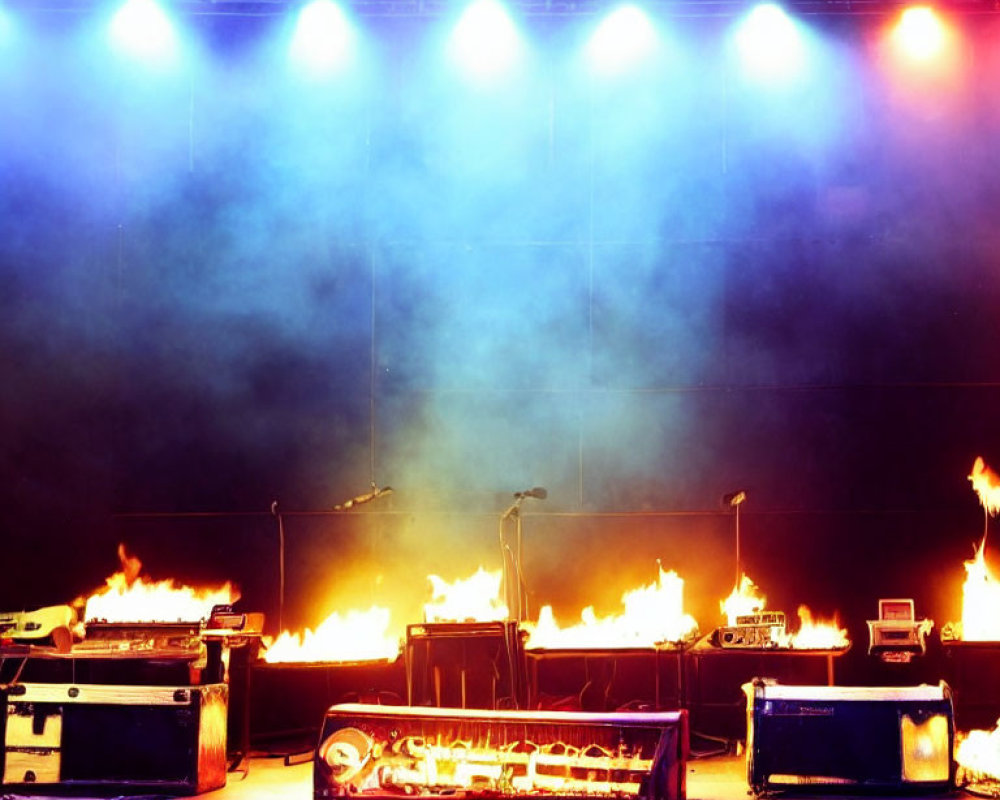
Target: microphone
{"points": [[367, 497], [735, 498], [537, 492]]}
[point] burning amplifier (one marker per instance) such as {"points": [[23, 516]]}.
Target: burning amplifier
{"points": [[137, 739], [754, 631], [861, 738], [897, 635], [391, 752]]}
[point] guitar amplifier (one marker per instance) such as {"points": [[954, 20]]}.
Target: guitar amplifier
{"points": [[846, 737], [127, 739], [466, 665]]}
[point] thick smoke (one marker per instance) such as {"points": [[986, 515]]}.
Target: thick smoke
{"points": [[224, 287]]}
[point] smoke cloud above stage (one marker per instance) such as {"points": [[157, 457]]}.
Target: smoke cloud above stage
{"points": [[227, 286]]}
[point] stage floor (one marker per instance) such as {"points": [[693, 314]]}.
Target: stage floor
{"points": [[266, 778], [711, 778], [717, 778]]}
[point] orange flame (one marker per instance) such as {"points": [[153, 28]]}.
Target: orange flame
{"points": [[980, 600], [128, 597], [987, 485], [744, 599], [813, 634], [979, 753], [816, 634], [474, 599], [357, 636], [653, 615]]}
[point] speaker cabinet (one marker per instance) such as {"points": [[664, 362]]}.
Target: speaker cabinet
{"points": [[848, 737], [129, 739], [465, 665]]}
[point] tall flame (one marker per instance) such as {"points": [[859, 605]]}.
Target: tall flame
{"points": [[816, 634], [473, 599], [356, 636], [980, 600], [744, 599], [981, 590], [653, 615], [128, 597], [987, 485]]}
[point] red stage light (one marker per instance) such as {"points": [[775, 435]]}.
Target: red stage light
{"points": [[920, 34]]}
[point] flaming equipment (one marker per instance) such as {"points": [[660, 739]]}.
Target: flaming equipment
{"points": [[138, 631], [376, 751], [129, 597], [751, 627]]}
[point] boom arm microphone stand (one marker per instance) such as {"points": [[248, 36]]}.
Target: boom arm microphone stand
{"points": [[515, 595], [735, 500]]}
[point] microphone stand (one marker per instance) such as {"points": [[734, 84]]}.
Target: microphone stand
{"points": [[511, 561], [515, 598], [735, 500], [281, 563], [374, 494]]}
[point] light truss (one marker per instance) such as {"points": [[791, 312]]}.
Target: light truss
{"points": [[523, 8]]}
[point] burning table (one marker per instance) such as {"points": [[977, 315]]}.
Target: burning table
{"points": [[626, 660]]}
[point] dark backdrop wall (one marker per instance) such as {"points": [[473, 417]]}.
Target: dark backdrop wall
{"points": [[225, 287]]}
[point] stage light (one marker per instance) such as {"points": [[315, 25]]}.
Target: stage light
{"points": [[323, 41], [485, 41], [6, 28], [919, 33], [770, 44], [623, 39], [142, 30]]}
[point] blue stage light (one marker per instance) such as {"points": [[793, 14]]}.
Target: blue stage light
{"points": [[770, 45], [324, 39], [142, 30], [6, 28], [485, 42], [623, 39]]}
